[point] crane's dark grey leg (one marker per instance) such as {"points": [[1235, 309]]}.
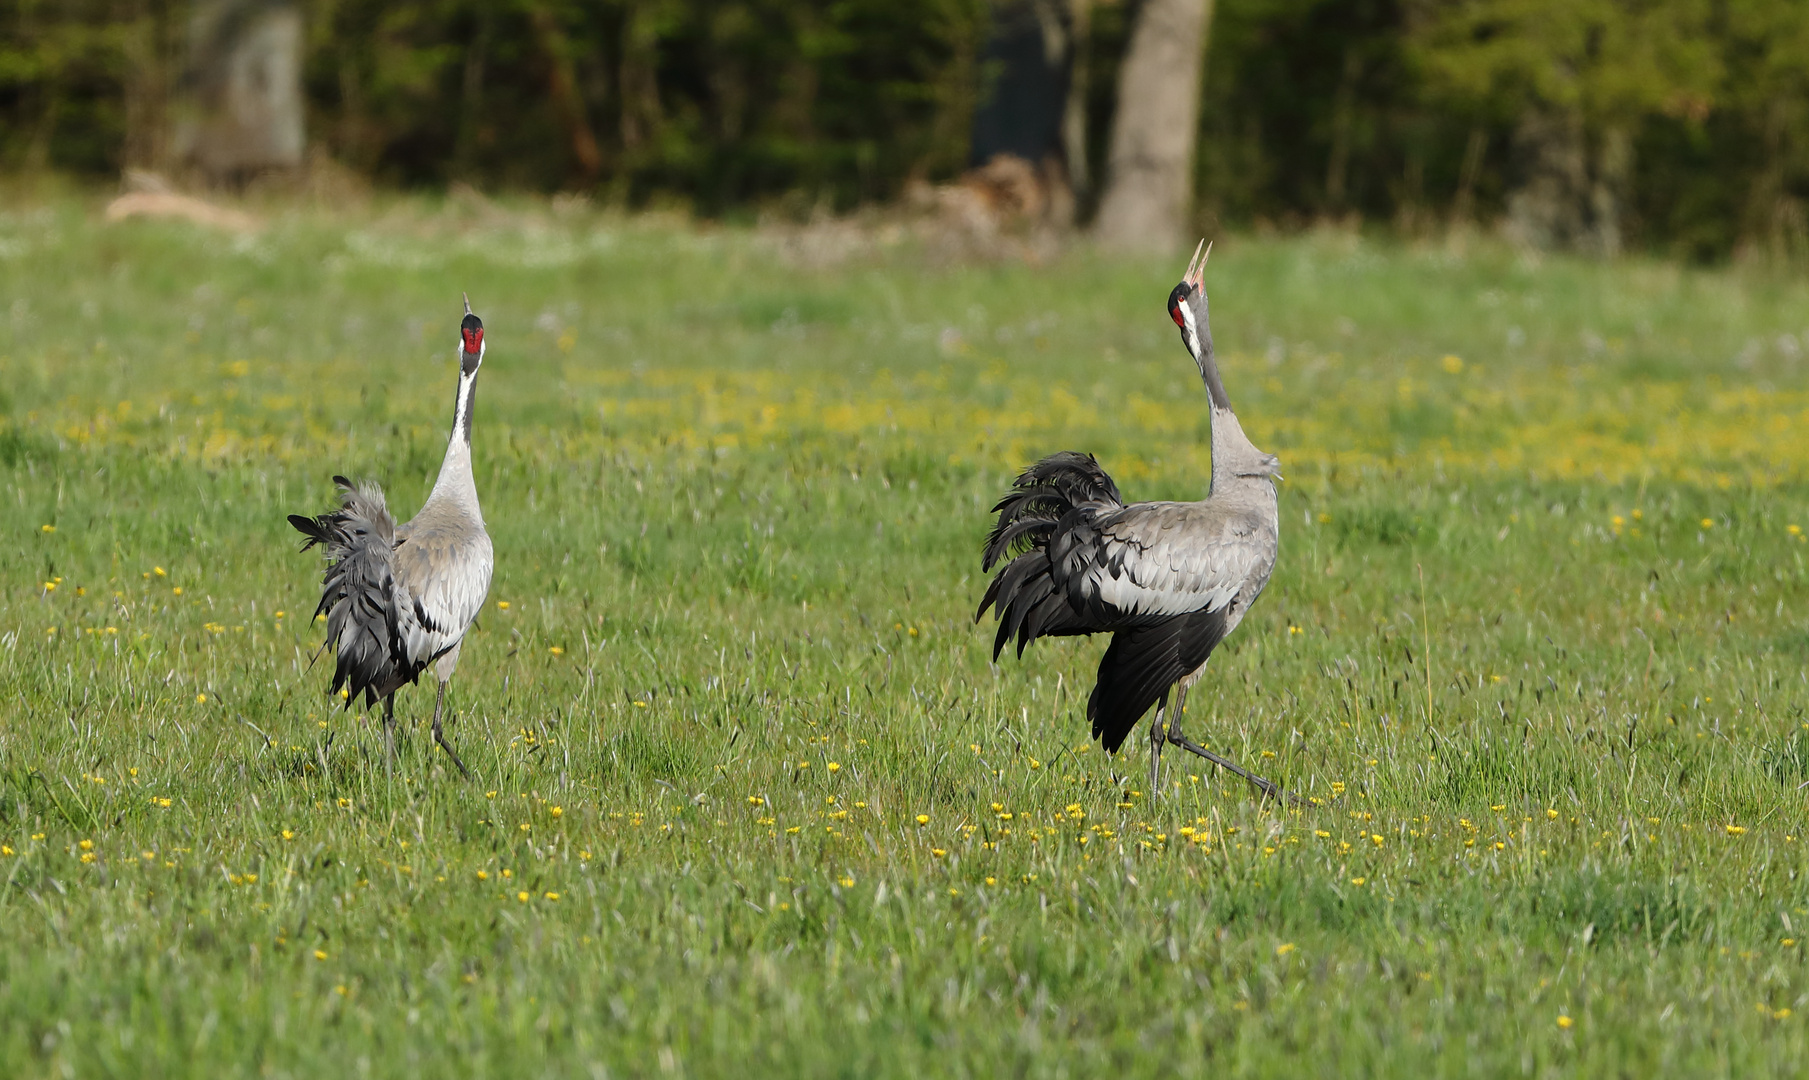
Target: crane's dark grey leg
{"points": [[1174, 719], [1157, 739], [389, 726], [439, 736], [1268, 787]]}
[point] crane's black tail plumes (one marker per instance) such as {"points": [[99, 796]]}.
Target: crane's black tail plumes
{"points": [[358, 591], [1047, 518]]}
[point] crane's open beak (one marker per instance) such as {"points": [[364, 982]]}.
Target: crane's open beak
{"points": [[1196, 266]]}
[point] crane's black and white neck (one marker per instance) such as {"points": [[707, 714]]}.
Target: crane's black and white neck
{"points": [[456, 483], [1236, 462]]}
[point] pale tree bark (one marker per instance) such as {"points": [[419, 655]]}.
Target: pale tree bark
{"points": [[244, 81], [1149, 172]]}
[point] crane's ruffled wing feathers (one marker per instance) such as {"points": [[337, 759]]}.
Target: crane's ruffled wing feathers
{"points": [[1041, 497], [1143, 662], [1045, 518], [358, 591], [1036, 608]]}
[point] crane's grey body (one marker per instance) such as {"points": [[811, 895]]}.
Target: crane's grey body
{"points": [[400, 598], [1168, 580]]}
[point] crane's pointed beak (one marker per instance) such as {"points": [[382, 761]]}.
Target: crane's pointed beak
{"points": [[1196, 266], [467, 297]]}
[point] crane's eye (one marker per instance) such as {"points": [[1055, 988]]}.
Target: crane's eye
{"points": [[1174, 304]]}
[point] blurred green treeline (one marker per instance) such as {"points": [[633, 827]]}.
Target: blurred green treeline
{"points": [[1673, 125]]}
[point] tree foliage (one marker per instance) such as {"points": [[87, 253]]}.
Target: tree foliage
{"points": [[1673, 124]]}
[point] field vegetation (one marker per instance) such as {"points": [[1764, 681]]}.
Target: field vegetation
{"points": [[748, 795]]}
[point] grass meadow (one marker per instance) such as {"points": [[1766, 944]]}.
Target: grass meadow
{"points": [[749, 797]]}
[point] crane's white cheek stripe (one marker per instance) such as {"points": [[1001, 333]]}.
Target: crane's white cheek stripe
{"points": [[1192, 330]]}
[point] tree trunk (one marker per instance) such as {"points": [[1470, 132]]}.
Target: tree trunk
{"points": [[1074, 111], [1566, 197], [1149, 173], [245, 71]]}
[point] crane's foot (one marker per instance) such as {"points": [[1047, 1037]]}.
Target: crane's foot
{"points": [[1268, 787]]}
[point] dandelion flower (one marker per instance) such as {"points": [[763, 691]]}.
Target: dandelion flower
{"points": [[553, 896], [558, 811], [47, 528], [502, 605], [200, 699], [320, 954], [522, 896], [483, 875], [833, 767], [1736, 830], [1358, 881], [288, 835], [86, 845], [556, 651], [1565, 1022], [992, 881], [923, 819], [1283, 950], [1708, 523], [847, 882]]}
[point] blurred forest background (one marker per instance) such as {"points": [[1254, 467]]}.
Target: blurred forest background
{"points": [[1673, 126]]}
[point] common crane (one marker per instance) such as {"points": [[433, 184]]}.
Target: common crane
{"points": [[399, 598], [1168, 580]]}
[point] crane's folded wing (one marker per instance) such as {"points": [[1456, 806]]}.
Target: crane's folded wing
{"points": [[1154, 561], [442, 581]]}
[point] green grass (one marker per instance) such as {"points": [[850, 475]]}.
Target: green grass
{"points": [[737, 742]]}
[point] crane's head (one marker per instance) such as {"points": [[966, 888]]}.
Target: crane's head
{"points": [[1187, 305], [471, 341]]}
